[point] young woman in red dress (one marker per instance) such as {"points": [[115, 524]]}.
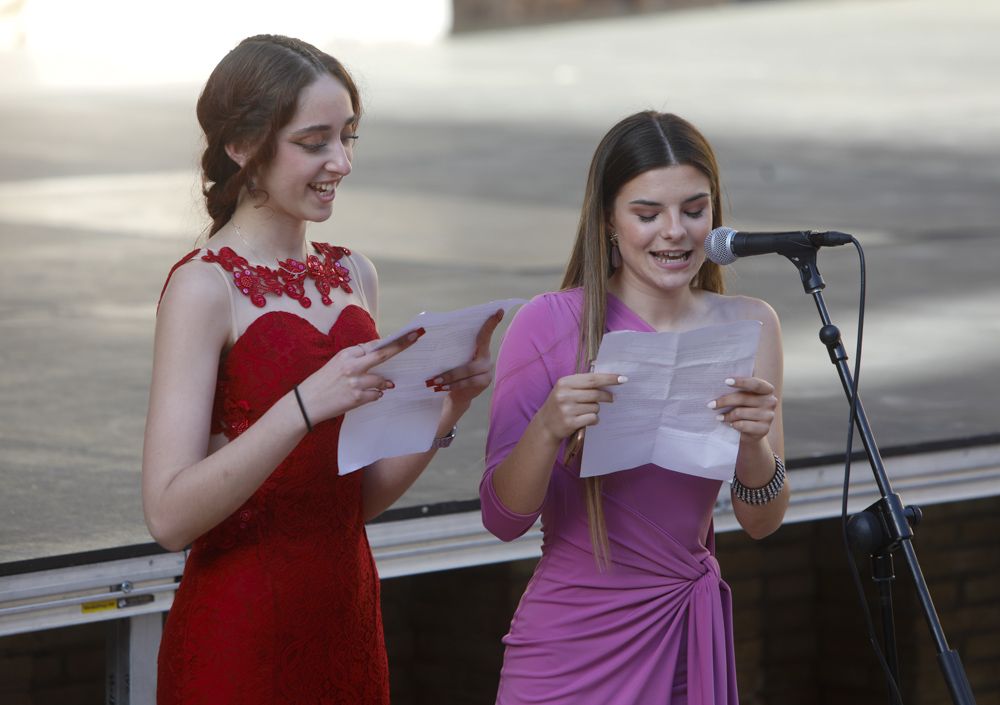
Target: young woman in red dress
{"points": [[260, 350]]}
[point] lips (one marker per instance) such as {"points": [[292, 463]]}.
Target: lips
{"points": [[325, 191]]}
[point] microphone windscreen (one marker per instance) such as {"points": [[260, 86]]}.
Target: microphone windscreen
{"points": [[718, 248]]}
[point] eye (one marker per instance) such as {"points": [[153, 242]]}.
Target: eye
{"points": [[312, 147], [647, 218], [695, 214], [350, 138]]}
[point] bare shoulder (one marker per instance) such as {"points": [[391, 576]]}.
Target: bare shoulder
{"points": [[195, 278], [739, 308], [364, 266], [365, 273], [758, 309], [196, 294]]}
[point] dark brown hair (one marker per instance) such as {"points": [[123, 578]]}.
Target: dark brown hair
{"points": [[249, 97], [639, 143]]}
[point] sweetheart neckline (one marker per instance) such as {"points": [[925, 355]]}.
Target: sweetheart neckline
{"points": [[304, 320]]}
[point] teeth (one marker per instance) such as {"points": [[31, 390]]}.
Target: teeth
{"points": [[322, 188], [671, 256]]}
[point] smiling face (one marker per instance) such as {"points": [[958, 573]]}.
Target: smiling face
{"points": [[313, 153], [662, 218]]}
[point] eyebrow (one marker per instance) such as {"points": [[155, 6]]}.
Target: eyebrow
{"points": [[647, 202], [320, 128]]}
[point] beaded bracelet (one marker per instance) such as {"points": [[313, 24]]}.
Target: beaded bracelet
{"points": [[761, 495], [302, 408]]}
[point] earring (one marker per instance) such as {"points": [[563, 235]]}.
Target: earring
{"points": [[616, 255]]}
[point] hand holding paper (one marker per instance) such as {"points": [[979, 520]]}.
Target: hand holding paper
{"points": [[660, 416], [405, 419]]}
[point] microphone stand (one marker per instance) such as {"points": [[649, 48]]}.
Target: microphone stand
{"points": [[886, 525]]}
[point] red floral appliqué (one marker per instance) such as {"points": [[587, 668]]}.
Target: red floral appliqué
{"points": [[257, 280], [329, 274], [236, 415]]}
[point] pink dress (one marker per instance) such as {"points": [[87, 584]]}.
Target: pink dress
{"points": [[656, 625]]}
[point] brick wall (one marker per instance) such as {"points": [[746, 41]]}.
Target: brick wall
{"points": [[799, 631], [53, 667], [800, 635]]}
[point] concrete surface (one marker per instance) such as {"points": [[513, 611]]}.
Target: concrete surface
{"points": [[878, 118]]}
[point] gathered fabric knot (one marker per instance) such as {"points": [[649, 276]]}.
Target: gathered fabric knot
{"points": [[711, 567]]}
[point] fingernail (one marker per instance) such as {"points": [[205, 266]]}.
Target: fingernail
{"points": [[420, 332], [730, 381], [720, 417], [442, 388], [380, 394], [429, 383], [390, 385], [499, 315], [414, 335], [622, 379], [712, 404]]}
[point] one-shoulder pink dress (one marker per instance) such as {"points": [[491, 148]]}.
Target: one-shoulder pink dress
{"points": [[656, 625]]}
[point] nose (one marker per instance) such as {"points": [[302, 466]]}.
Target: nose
{"points": [[673, 228], [340, 161]]}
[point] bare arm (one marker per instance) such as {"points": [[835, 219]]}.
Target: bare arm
{"points": [[184, 492], [522, 478], [386, 480], [756, 414]]}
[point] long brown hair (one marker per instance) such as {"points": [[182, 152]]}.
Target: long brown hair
{"points": [[641, 142], [250, 96]]}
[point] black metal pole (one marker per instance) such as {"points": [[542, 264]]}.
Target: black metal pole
{"points": [[894, 513], [883, 575]]}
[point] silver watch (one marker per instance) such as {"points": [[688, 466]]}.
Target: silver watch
{"points": [[445, 441]]}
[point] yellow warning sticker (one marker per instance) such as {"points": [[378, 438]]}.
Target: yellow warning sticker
{"points": [[98, 606]]}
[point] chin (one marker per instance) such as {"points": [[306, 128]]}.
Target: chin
{"points": [[317, 215]]}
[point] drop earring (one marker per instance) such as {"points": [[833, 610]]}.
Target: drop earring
{"points": [[616, 255]]}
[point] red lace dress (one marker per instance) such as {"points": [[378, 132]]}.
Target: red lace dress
{"points": [[280, 602]]}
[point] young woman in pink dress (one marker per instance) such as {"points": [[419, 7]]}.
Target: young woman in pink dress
{"points": [[627, 604], [260, 350]]}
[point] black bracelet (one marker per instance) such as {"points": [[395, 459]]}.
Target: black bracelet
{"points": [[302, 408], [761, 495]]}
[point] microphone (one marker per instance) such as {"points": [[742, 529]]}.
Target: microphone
{"points": [[725, 245]]}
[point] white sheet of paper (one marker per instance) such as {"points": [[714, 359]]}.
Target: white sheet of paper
{"points": [[660, 415], [405, 419]]}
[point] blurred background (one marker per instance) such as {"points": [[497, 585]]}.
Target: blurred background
{"points": [[880, 118]]}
